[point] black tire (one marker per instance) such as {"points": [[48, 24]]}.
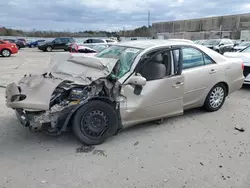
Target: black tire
{"points": [[32, 46], [5, 53], [208, 106], [94, 122], [49, 49]]}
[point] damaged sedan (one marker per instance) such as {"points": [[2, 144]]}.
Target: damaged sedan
{"points": [[123, 85]]}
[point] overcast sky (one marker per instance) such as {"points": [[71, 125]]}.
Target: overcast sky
{"points": [[111, 15]]}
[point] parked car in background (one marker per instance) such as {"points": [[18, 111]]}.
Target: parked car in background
{"points": [[33, 44], [7, 48], [23, 40], [241, 46], [56, 44], [244, 55], [181, 40], [99, 41], [201, 42], [220, 45], [126, 84], [89, 51], [18, 43]]}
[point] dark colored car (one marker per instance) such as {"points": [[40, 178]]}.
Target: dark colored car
{"points": [[35, 43], [19, 44], [220, 45], [56, 44]]}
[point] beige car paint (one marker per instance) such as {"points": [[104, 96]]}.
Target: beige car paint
{"points": [[159, 98]]}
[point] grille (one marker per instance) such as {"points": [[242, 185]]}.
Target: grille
{"points": [[246, 71]]}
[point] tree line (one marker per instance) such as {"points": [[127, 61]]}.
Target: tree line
{"points": [[138, 32]]}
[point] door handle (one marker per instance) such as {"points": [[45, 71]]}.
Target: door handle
{"points": [[212, 71], [178, 84]]}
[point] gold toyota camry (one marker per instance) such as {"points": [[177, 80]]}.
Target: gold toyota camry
{"points": [[125, 84]]}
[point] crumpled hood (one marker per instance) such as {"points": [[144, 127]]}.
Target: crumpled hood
{"points": [[39, 88], [80, 68]]}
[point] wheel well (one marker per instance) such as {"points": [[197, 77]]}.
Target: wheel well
{"points": [[5, 49], [226, 86]]}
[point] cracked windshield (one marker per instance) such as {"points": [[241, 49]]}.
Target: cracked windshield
{"points": [[117, 94]]}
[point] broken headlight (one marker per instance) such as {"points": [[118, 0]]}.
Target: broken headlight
{"points": [[77, 94]]}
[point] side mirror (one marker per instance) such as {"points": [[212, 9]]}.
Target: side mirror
{"points": [[137, 80]]}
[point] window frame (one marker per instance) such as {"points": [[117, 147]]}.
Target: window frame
{"points": [[203, 54], [157, 52]]}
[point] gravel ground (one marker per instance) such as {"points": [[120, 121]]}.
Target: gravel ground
{"points": [[195, 150]]}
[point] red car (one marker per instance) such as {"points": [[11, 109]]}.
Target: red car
{"points": [[6, 48]]}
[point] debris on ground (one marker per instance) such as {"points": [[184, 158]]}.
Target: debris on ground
{"points": [[85, 149], [239, 128], [220, 166], [99, 152], [166, 180], [223, 177], [201, 163], [135, 144]]}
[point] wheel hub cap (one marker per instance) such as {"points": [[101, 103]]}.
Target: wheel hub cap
{"points": [[216, 97], [6, 53], [94, 123]]}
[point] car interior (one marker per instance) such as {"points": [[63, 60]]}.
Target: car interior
{"points": [[157, 66]]}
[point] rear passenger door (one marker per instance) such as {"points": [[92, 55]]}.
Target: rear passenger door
{"points": [[200, 75]]}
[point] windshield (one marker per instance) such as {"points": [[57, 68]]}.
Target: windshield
{"points": [[212, 42], [125, 55], [246, 50], [244, 44]]}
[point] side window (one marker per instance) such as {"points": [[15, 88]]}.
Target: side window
{"points": [[156, 65], [207, 60], [65, 40], [88, 41], [97, 41], [192, 58], [58, 41]]}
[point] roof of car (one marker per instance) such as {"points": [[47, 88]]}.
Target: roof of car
{"points": [[150, 43]]}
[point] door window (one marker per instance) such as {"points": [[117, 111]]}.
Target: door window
{"points": [[156, 65], [194, 58], [97, 41], [58, 41]]}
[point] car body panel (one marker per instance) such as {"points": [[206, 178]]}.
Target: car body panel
{"points": [[10, 46], [154, 102]]}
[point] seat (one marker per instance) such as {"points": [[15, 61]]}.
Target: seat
{"points": [[153, 71], [167, 63]]}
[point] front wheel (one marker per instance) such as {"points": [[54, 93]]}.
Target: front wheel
{"points": [[94, 122], [215, 98]]}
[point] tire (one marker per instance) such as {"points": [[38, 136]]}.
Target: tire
{"points": [[49, 49], [32, 46], [6, 53], [213, 104], [94, 122]]}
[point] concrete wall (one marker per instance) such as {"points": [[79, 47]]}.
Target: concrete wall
{"points": [[205, 28]]}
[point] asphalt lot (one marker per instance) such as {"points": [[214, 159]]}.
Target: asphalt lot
{"points": [[196, 150]]}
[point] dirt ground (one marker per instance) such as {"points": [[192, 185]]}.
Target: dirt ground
{"points": [[196, 150]]}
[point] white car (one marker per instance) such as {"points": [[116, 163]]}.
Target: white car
{"points": [[99, 41], [244, 55]]}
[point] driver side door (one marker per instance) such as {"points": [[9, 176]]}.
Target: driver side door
{"points": [[57, 43], [161, 96]]}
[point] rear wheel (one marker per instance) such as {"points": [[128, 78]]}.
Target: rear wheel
{"points": [[215, 98], [94, 122], [32, 46], [6, 53]]}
